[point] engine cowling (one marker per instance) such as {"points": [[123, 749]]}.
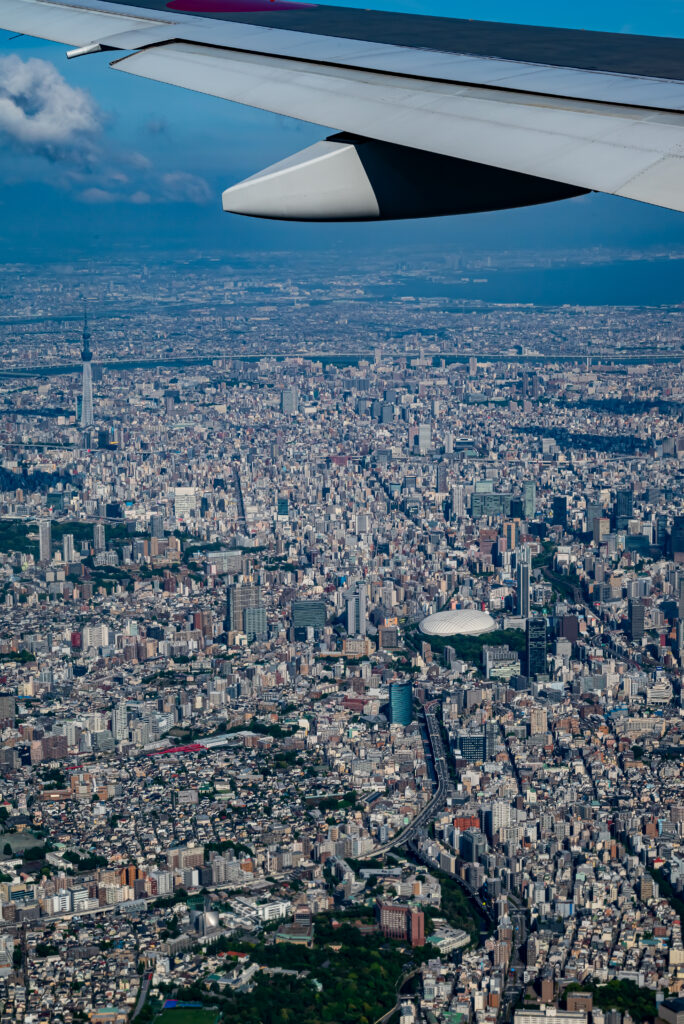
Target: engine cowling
{"points": [[346, 178]]}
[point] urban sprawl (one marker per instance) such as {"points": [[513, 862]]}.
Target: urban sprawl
{"points": [[341, 650]]}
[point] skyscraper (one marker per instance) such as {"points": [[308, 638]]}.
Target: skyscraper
{"points": [[87, 418], [594, 514], [356, 610], [497, 818], [401, 703], [289, 400], [529, 499], [99, 540], [538, 721], [239, 597], [424, 438], [522, 573], [677, 539], [560, 510], [157, 526], [68, 550], [536, 647], [45, 540], [457, 501], [120, 721], [635, 624], [184, 502], [254, 623], [624, 507]]}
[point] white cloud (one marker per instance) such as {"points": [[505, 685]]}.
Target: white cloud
{"points": [[43, 117], [41, 112], [98, 196], [184, 188]]}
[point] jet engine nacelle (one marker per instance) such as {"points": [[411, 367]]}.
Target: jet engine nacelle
{"points": [[349, 178]]}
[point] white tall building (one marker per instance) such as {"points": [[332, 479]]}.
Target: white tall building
{"points": [[457, 501], [184, 502], [356, 610], [68, 549], [99, 635], [45, 540], [87, 417], [120, 721], [522, 573], [424, 438]]}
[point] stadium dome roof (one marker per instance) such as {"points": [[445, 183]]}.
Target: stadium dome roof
{"points": [[462, 622]]}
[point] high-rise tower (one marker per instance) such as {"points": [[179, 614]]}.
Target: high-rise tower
{"points": [[522, 573], [87, 418]]}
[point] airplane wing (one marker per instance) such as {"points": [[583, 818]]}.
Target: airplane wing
{"points": [[430, 116]]}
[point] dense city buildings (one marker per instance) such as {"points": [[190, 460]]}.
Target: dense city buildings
{"points": [[345, 644]]}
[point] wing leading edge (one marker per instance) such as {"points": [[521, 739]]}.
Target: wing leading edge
{"points": [[425, 132]]}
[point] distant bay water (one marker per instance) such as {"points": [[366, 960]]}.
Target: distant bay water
{"points": [[623, 283]]}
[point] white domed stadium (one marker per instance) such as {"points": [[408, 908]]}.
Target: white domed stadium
{"points": [[461, 622]]}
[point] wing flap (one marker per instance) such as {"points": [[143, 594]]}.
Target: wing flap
{"points": [[596, 146]]}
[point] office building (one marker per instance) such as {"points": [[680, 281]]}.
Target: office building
{"points": [[677, 539], [441, 483], [223, 562], [424, 438], [387, 412], [254, 623], [99, 541], [568, 628], [357, 622], [157, 526], [68, 550], [594, 515], [239, 597], [538, 722], [472, 746], [549, 1015], [401, 703], [283, 509], [405, 924], [45, 540], [87, 416], [307, 615], [8, 711], [635, 620], [184, 502], [472, 845], [496, 818], [661, 533], [529, 499], [388, 638], [559, 513], [522, 574], [457, 501], [624, 507], [289, 401], [536, 647]]}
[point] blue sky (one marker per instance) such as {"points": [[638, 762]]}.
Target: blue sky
{"points": [[142, 165]]}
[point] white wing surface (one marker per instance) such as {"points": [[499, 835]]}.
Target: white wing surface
{"points": [[579, 127]]}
